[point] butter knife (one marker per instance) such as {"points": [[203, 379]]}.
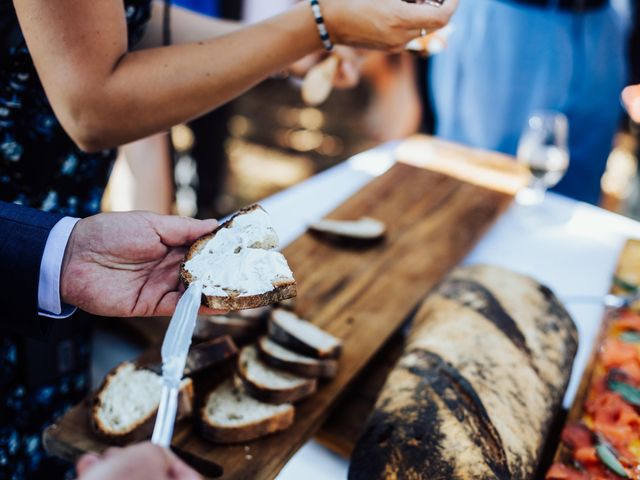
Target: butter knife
{"points": [[175, 348]]}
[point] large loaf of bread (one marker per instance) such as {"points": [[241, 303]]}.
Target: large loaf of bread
{"points": [[486, 366]]}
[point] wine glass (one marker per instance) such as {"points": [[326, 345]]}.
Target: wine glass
{"points": [[544, 150]]}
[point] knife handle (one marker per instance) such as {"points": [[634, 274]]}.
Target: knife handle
{"points": [[166, 418]]}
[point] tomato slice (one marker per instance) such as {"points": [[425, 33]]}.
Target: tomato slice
{"points": [[558, 471]]}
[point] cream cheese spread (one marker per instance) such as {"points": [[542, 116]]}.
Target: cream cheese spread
{"points": [[240, 260]]}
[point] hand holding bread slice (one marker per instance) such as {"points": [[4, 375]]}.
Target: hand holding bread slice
{"points": [[238, 265], [239, 269]]}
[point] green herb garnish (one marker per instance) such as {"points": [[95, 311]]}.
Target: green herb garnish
{"points": [[630, 337], [629, 393], [611, 461]]}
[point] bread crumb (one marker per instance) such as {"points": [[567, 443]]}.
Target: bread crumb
{"points": [[247, 448], [248, 457]]}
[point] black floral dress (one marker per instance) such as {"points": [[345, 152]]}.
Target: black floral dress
{"points": [[41, 167]]}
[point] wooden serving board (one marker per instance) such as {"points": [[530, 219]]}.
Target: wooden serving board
{"points": [[628, 269], [342, 429], [361, 295]]}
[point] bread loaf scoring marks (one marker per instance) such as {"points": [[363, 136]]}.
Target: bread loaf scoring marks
{"points": [[478, 298], [462, 401]]}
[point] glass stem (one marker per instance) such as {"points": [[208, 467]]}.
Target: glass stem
{"points": [[539, 189]]}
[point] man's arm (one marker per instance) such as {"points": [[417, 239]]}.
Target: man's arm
{"points": [[23, 237], [120, 264]]}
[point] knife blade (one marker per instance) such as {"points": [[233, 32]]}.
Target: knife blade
{"points": [[175, 348]]}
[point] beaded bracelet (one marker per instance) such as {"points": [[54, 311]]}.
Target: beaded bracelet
{"points": [[322, 28]]}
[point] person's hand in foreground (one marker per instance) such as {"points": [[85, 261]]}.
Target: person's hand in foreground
{"points": [[127, 264], [631, 99], [138, 462]]}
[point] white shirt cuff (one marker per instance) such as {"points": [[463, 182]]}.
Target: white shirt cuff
{"points": [[49, 303]]}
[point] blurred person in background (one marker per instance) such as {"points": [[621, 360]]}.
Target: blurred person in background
{"points": [[509, 58], [72, 89]]}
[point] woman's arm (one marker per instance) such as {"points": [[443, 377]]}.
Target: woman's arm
{"points": [[105, 96]]}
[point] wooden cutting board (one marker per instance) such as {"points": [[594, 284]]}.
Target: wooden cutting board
{"points": [[435, 213]]}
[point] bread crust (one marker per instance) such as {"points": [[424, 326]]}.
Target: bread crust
{"points": [[245, 433], [321, 368], [245, 329], [293, 343], [282, 290], [209, 354], [270, 395], [143, 428]]}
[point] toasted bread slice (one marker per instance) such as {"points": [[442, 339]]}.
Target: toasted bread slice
{"points": [[363, 229], [277, 356], [125, 407], [256, 314], [230, 415], [238, 266], [236, 326], [293, 333], [205, 355], [269, 384], [209, 354]]}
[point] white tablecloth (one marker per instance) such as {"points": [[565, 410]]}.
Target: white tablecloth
{"points": [[569, 246]]}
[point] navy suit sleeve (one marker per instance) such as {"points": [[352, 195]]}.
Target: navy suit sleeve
{"points": [[23, 236]]}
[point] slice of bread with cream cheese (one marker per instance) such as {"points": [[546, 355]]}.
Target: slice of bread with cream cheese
{"points": [[238, 265]]}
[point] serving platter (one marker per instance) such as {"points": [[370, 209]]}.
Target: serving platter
{"points": [[436, 203], [626, 278]]}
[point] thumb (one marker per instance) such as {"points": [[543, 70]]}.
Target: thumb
{"points": [[86, 462], [180, 231]]}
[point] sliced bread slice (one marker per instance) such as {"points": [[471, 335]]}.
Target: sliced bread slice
{"points": [[256, 314], [236, 326], [204, 356], [209, 354], [363, 229], [279, 357], [230, 415], [269, 384], [238, 266], [124, 408], [290, 331]]}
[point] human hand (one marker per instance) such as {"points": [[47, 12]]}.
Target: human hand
{"points": [[138, 462], [631, 99], [348, 74], [127, 264], [383, 24]]}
